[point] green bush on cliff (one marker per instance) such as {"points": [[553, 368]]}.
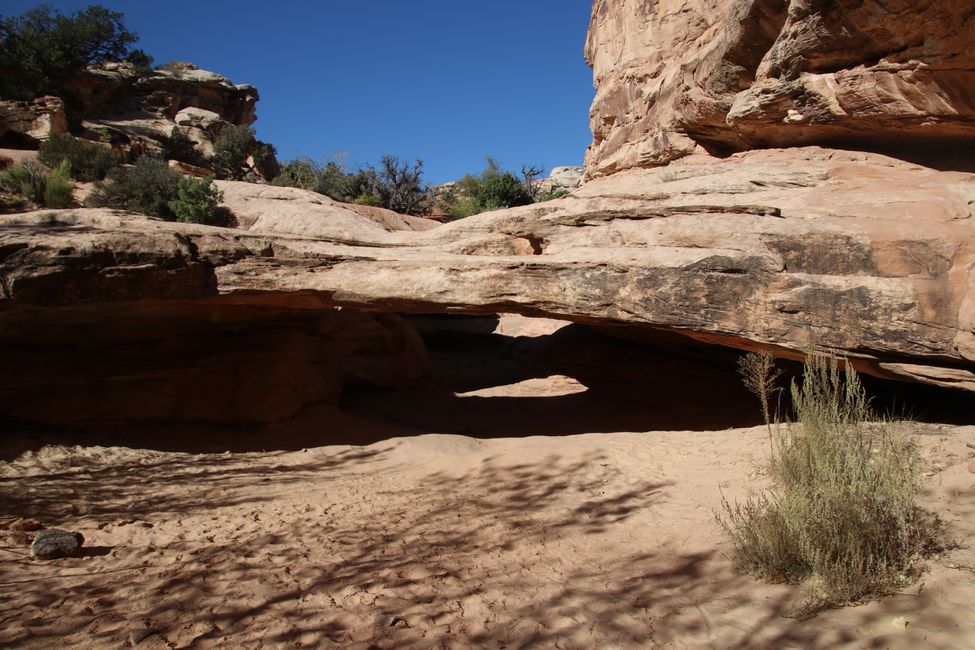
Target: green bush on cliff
{"points": [[42, 49], [89, 161], [178, 146], [842, 515], [493, 189], [396, 184], [239, 155], [197, 201], [34, 185], [146, 187], [58, 188]]}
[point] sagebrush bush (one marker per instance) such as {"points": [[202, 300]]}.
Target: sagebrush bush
{"points": [[35, 185], [26, 180], [841, 515], [197, 201], [89, 161], [58, 188], [147, 187]]}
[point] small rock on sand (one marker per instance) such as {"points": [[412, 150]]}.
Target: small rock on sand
{"points": [[53, 543]]}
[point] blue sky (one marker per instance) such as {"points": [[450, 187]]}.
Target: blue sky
{"points": [[448, 81]]}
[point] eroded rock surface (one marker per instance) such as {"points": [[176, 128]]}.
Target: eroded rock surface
{"points": [[673, 76], [28, 123], [855, 253]]}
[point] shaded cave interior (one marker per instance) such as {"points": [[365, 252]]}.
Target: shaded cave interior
{"points": [[240, 377]]}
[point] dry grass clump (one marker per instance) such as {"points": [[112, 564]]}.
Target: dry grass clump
{"points": [[841, 516]]}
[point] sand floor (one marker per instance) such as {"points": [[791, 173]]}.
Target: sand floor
{"points": [[596, 540], [599, 533]]}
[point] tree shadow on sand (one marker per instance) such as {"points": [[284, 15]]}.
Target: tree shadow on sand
{"points": [[524, 555]]}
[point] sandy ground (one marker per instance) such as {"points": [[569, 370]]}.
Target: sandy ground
{"points": [[598, 539]]}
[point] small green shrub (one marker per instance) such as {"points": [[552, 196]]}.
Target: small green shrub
{"points": [[551, 195], [58, 189], [231, 150], [493, 189], [147, 187], [178, 146], [841, 516], [197, 201], [26, 180], [503, 190], [369, 199], [89, 161], [303, 173], [34, 185]]}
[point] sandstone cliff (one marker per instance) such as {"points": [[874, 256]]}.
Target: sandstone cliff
{"points": [[133, 107], [856, 253], [678, 76]]}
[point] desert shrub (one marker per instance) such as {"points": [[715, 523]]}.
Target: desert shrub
{"points": [[551, 195], [841, 516], [178, 146], [396, 184], [26, 180], [58, 188], [147, 187], [303, 173], [41, 49], [89, 161], [33, 184], [231, 150], [502, 190], [140, 60], [493, 189], [197, 200], [401, 186], [369, 199]]}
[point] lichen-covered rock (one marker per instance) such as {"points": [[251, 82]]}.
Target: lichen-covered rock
{"points": [[675, 76], [53, 543]]}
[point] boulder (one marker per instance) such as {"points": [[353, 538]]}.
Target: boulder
{"points": [[54, 543], [674, 78], [567, 177], [197, 117]]}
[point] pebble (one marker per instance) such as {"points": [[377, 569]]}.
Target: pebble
{"points": [[52, 543], [971, 468], [26, 525]]}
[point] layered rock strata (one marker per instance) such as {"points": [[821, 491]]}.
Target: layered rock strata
{"points": [[857, 254], [677, 76]]}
